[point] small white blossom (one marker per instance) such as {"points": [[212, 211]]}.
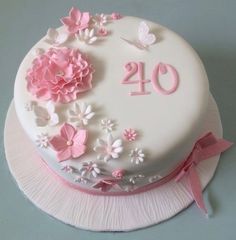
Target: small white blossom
{"points": [[90, 168], [100, 19], [134, 178], [154, 178], [137, 155], [107, 125], [42, 140], [55, 38], [87, 36], [81, 114], [29, 106], [68, 169], [109, 148], [38, 51], [81, 179]]}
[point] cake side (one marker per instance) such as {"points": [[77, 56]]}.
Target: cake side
{"points": [[166, 125]]}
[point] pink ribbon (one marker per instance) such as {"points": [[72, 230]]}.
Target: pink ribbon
{"points": [[206, 147]]}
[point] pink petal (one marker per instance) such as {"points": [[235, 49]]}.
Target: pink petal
{"points": [[67, 21], [75, 14], [78, 150], [85, 18], [81, 136], [58, 143], [68, 131], [64, 155]]}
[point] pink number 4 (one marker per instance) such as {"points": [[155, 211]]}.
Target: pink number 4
{"points": [[133, 68]]}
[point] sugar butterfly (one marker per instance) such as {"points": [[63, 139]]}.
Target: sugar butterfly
{"points": [[145, 38], [46, 116]]}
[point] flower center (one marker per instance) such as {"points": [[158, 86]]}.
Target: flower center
{"points": [[69, 143], [60, 73]]}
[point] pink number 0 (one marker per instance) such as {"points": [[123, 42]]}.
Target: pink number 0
{"points": [[132, 68], [161, 69]]}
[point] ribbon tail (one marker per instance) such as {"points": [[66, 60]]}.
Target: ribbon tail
{"points": [[196, 188]]}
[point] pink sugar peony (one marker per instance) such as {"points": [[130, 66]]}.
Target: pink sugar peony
{"points": [[76, 20], [59, 75]]}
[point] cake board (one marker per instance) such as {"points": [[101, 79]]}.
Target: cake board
{"points": [[98, 213]]}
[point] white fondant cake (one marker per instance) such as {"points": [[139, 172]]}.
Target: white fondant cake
{"points": [[126, 104]]}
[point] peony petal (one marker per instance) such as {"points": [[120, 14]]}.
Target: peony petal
{"points": [[58, 143], [78, 150], [80, 137], [68, 132], [64, 155]]}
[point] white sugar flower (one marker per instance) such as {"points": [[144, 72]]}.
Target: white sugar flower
{"points": [[42, 140], [38, 51], [107, 125], [108, 149], [100, 19], [55, 38], [134, 178], [46, 116], [68, 169], [81, 179], [90, 168], [29, 106], [154, 178], [81, 114], [137, 155], [87, 36]]}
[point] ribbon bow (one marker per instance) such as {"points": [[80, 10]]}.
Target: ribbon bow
{"points": [[206, 147]]}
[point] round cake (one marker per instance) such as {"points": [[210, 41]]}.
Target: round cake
{"points": [[112, 103]]}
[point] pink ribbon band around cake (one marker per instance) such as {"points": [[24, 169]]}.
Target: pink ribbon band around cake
{"points": [[205, 148]]}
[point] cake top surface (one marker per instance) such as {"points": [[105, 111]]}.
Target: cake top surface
{"points": [[136, 84]]}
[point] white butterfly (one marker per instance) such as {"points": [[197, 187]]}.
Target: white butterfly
{"points": [[46, 116], [55, 38], [145, 38]]}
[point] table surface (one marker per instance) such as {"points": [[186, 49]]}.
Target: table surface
{"points": [[209, 26]]}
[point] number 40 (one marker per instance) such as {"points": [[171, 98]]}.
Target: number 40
{"points": [[133, 68]]}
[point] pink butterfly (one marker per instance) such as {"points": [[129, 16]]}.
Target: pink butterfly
{"points": [[145, 38]]}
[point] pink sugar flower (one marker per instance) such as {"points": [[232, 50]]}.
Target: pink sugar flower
{"points": [[116, 16], [105, 184], [76, 20], [70, 143], [59, 75], [130, 134], [118, 173], [102, 32]]}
